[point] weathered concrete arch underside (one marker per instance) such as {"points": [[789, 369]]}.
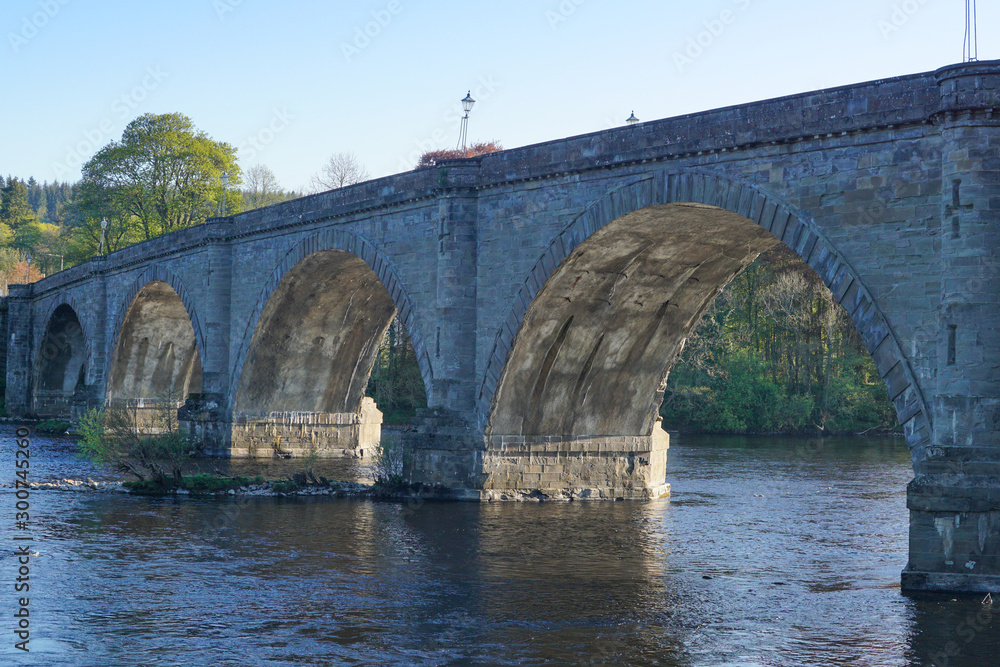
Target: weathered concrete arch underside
{"points": [[159, 273], [62, 363], [156, 356], [292, 264], [591, 353], [303, 380], [316, 340]]}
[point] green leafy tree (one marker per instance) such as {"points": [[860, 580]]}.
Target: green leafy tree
{"points": [[395, 382], [164, 175], [117, 435]]}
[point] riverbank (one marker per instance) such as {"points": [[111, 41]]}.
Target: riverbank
{"points": [[269, 488]]}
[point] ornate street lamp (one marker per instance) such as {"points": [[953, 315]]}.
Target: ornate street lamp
{"points": [[104, 228], [225, 182], [467, 104], [632, 120], [27, 273]]}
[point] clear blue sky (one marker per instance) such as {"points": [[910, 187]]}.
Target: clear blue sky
{"points": [[295, 76]]}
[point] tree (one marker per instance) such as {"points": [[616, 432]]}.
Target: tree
{"points": [[431, 158], [261, 188], [162, 176], [82, 231], [16, 270], [341, 170], [14, 208]]}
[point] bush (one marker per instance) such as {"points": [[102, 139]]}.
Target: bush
{"points": [[387, 465], [114, 436], [289, 486]]}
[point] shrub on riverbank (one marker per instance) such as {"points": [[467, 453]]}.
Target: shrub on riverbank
{"points": [[117, 436], [387, 464]]}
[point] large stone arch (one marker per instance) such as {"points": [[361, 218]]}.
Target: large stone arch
{"points": [[158, 347], [655, 193], [156, 272], [328, 241], [62, 358]]}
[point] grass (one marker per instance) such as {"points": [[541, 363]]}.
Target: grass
{"points": [[52, 426], [199, 483]]}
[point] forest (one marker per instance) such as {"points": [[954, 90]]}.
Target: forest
{"points": [[775, 353]]}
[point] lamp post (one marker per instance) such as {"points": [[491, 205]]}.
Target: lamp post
{"points": [[631, 120], [225, 182], [62, 264], [970, 46], [467, 103], [27, 273], [104, 228]]}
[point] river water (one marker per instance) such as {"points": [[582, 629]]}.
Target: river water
{"points": [[776, 552]]}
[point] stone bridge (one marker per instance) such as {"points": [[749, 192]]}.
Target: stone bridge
{"points": [[549, 289]]}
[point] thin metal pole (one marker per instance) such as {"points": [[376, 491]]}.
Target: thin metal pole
{"points": [[463, 132], [970, 42]]}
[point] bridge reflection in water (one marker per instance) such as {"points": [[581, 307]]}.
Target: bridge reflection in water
{"points": [[783, 553]]}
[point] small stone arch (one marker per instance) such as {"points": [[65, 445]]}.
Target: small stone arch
{"points": [[784, 222], [59, 300], [61, 359], [385, 270]]}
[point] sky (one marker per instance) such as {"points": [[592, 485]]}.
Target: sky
{"points": [[290, 83]]}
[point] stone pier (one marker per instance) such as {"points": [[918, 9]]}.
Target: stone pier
{"points": [[298, 434]]}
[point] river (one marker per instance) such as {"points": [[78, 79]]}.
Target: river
{"points": [[771, 552]]}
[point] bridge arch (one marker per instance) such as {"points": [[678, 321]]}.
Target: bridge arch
{"points": [[158, 272], [63, 358], [330, 270], [158, 345], [536, 362]]}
